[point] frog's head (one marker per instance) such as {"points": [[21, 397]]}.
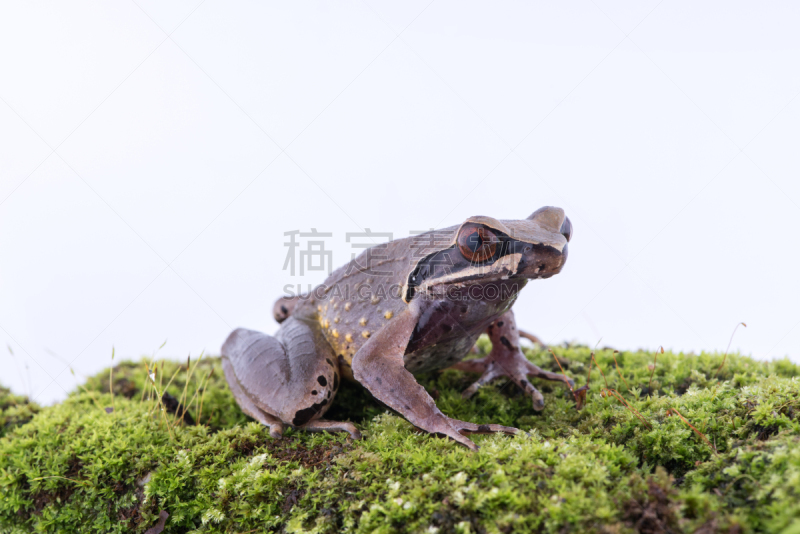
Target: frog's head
{"points": [[484, 249]]}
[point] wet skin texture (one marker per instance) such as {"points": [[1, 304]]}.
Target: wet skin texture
{"points": [[408, 306]]}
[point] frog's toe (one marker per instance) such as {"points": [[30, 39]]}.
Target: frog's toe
{"points": [[468, 443], [320, 425], [488, 375], [538, 372], [276, 430], [455, 436], [465, 427], [445, 427], [538, 400]]}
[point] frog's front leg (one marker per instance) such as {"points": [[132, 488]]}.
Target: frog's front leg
{"points": [[506, 359], [378, 365]]}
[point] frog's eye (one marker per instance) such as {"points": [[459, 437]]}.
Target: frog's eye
{"points": [[477, 243]]}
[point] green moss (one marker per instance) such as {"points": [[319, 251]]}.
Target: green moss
{"points": [[74, 467], [14, 411]]}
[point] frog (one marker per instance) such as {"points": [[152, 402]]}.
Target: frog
{"points": [[409, 306]]}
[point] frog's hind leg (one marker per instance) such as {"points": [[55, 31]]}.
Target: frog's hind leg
{"points": [[506, 359], [290, 379], [248, 406]]}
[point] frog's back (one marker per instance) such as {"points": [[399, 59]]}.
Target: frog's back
{"points": [[360, 297]]}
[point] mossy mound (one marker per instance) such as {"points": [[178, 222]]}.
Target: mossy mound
{"points": [[103, 463]]}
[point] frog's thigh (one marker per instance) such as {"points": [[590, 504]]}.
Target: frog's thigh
{"points": [[292, 377], [275, 425]]}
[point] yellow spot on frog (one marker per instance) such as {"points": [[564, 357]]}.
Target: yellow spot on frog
{"points": [[363, 321], [319, 308], [348, 338], [335, 333], [365, 334], [388, 314], [347, 306], [375, 300], [326, 324], [336, 319]]}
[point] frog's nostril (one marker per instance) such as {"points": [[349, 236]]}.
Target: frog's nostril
{"points": [[566, 228]]}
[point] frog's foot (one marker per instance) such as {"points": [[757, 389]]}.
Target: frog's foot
{"points": [[458, 430], [506, 360], [465, 427], [446, 427]]}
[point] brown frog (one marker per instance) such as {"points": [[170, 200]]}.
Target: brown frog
{"points": [[408, 306]]}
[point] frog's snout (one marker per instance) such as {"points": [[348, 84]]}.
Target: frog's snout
{"points": [[566, 229]]}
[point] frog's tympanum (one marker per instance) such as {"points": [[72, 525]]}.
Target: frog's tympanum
{"points": [[408, 306]]}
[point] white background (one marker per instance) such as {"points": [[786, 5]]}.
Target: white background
{"points": [[152, 154]]}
